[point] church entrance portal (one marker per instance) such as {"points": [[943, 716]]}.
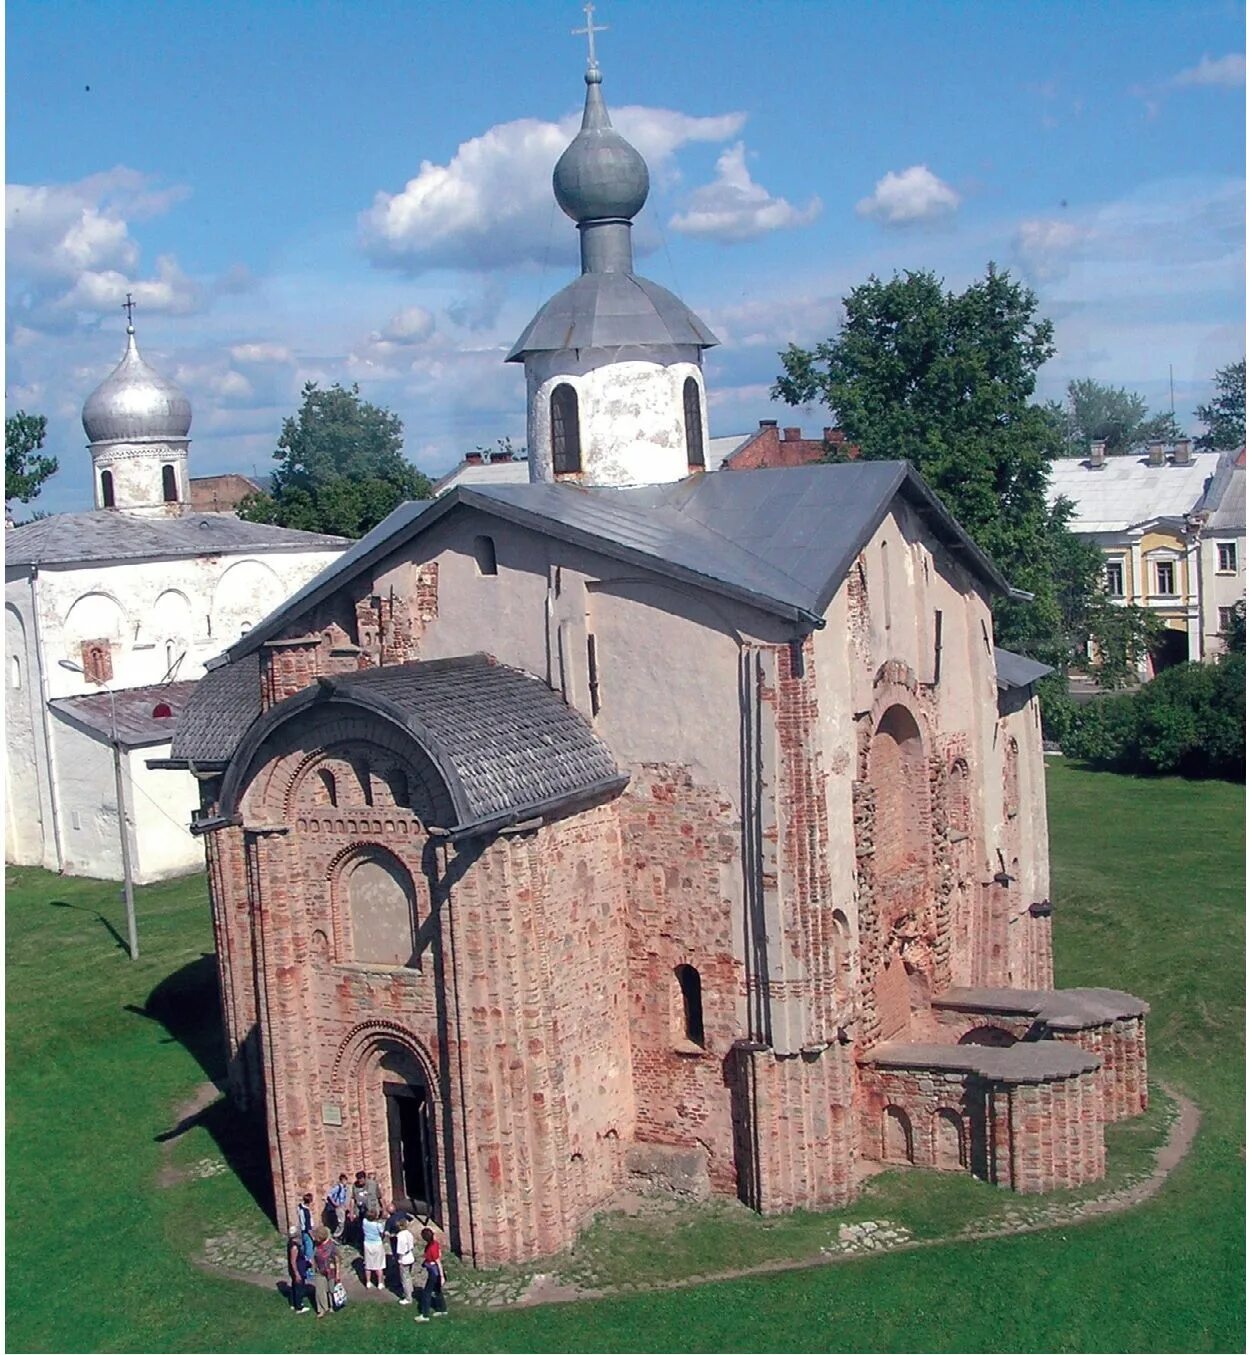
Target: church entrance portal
{"points": [[410, 1130]]}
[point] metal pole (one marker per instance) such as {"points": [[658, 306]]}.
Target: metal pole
{"points": [[123, 822]]}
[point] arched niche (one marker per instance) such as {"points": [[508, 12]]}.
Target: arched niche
{"points": [[897, 1138], [897, 770], [378, 901], [949, 1140], [94, 615], [991, 1037]]}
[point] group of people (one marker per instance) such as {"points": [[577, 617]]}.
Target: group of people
{"points": [[313, 1249]]}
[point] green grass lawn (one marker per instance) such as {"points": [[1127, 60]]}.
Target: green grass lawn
{"points": [[1149, 894]]}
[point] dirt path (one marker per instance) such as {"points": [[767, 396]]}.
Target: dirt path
{"points": [[1178, 1142], [551, 1289]]}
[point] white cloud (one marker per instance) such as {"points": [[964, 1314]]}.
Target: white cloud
{"points": [[69, 249], [490, 206], [412, 325], [905, 197], [1227, 71], [1046, 245], [733, 207], [257, 354]]}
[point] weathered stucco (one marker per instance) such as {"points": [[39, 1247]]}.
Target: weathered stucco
{"points": [[630, 408]]}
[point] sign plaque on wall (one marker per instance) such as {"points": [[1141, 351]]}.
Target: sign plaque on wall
{"points": [[331, 1114]]}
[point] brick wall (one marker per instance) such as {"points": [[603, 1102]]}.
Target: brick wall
{"points": [[681, 845], [1029, 1137]]}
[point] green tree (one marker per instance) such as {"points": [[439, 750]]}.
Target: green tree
{"points": [[1224, 416], [341, 467], [1116, 416], [25, 469], [946, 381]]}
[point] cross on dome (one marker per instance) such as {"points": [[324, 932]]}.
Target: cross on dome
{"points": [[128, 306], [589, 30]]}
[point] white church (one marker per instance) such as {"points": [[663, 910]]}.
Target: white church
{"points": [[109, 617]]}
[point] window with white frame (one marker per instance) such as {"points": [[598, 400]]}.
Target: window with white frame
{"points": [[1164, 578], [1114, 578], [1227, 557]]}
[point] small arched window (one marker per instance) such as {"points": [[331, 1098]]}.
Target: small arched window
{"points": [[693, 426], [15, 672], [106, 489], [329, 787], [565, 430], [169, 483], [691, 986], [162, 711], [483, 551]]}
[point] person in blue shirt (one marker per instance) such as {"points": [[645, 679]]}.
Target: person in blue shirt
{"points": [[374, 1233], [336, 1199]]}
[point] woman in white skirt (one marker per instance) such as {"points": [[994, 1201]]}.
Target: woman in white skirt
{"points": [[374, 1250]]}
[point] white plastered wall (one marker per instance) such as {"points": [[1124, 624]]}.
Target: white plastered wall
{"points": [[138, 476], [630, 408]]}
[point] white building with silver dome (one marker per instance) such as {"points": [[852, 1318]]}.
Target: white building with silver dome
{"points": [[138, 426], [110, 617]]}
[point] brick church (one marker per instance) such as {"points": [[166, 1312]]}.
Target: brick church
{"points": [[643, 820]]}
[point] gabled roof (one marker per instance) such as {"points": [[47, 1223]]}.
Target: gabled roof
{"points": [[1225, 498], [77, 538], [137, 724], [1128, 491], [779, 540]]}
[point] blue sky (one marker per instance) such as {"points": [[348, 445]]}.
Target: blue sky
{"points": [[358, 192]]}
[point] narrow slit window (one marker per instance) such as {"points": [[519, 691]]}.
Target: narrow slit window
{"points": [[169, 483], [106, 489], [937, 621], [565, 431], [691, 986], [591, 653], [884, 584], [483, 550], [693, 426]]}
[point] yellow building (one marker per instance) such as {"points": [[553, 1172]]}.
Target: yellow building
{"points": [[1144, 514]]}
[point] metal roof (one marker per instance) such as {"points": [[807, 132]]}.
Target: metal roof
{"points": [[612, 310], [137, 725], [505, 746], [1128, 491], [1017, 670], [75, 538], [780, 540], [1225, 499], [484, 473], [720, 449]]}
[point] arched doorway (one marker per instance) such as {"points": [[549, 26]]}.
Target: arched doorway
{"points": [[897, 1139], [400, 1112]]}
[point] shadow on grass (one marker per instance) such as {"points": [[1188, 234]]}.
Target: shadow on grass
{"points": [[118, 938], [187, 1004]]}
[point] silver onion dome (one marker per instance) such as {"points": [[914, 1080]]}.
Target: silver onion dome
{"points": [[600, 176], [135, 403]]}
